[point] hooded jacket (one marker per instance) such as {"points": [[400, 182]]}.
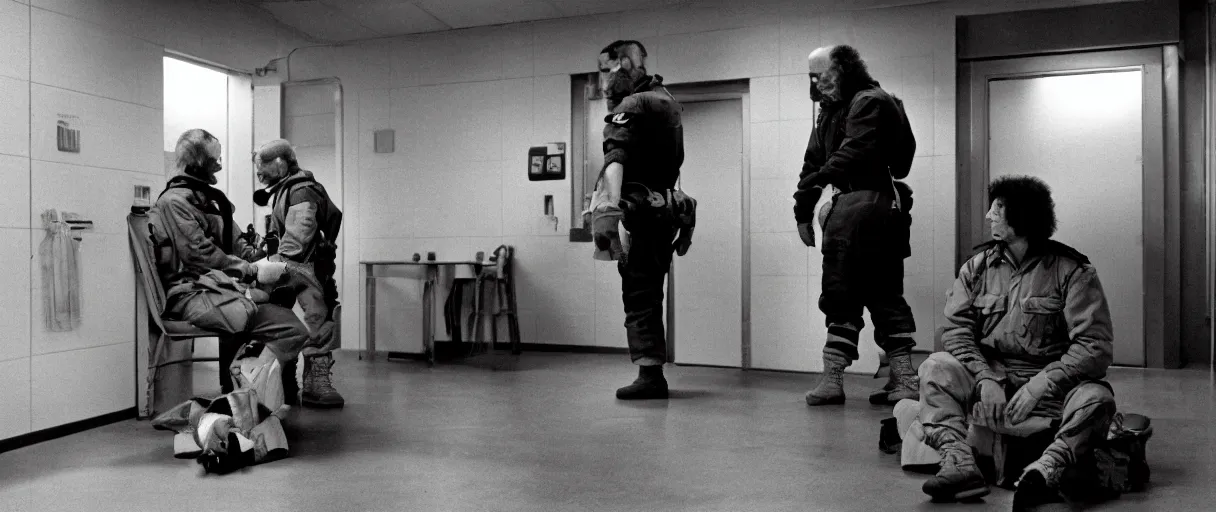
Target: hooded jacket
{"points": [[195, 234], [1051, 332], [304, 217], [645, 135], [860, 144]]}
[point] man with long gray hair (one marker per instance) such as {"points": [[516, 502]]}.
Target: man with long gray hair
{"points": [[861, 145]]}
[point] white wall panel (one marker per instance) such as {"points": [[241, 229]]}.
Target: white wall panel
{"points": [[15, 294], [113, 134], [778, 254], [81, 384], [15, 194], [764, 98], [573, 45], [766, 153], [78, 56], [705, 18], [800, 35], [518, 50], [14, 117], [796, 97], [516, 119], [15, 397], [374, 114], [781, 324], [15, 39], [793, 138], [394, 194], [315, 130], [473, 55], [551, 108], [772, 206], [464, 202], [719, 55]]}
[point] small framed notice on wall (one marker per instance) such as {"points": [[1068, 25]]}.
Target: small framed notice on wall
{"points": [[67, 137], [547, 162]]}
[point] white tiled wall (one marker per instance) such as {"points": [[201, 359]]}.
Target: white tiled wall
{"points": [[96, 65], [464, 100]]}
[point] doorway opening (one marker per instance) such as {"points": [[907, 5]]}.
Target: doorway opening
{"points": [[1096, 128], [199, 95]]}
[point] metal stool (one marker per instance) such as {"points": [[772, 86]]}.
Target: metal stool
{"points": [[499, 275]]}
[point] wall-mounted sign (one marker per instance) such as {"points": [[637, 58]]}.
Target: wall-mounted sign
{"points": [[67, 138], [547, 162]]}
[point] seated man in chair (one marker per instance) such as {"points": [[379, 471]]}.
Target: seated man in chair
{"points": [[1028, 341], [198, 251]]}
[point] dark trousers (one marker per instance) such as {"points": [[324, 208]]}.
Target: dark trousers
{"points": [[863, 267], [276, 328], [643, 270]]}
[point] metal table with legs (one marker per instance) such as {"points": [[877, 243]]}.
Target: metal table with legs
{"points": [[429, 299]]}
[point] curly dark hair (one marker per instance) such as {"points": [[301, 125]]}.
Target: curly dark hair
{"points": [[1029, 209], [854, 75]]}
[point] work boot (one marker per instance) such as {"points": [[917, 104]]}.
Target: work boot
{"points": [[902, 382], [291, 386], [958, 478], [830, 390], [649, 385], [1038, 485], [319, 393]]}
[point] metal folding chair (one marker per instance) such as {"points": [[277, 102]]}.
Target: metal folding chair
{"points": [[157, 388]]}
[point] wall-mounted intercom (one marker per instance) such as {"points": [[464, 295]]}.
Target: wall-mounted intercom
{"points": [[547, 162]]}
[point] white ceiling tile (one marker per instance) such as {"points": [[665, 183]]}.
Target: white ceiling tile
{"points": [[318, 20], [389, 17], [472, 13], [589, 7]]}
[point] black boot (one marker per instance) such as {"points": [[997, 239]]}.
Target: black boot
{"points": [[291, 387], [650, 384], [1033, 493]]}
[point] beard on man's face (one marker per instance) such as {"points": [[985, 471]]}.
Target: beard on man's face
{"points": [[621, 85]]}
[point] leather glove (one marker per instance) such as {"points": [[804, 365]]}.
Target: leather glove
{"points": [[605, 228], [684, 207], [807, 232], [992, 404]]}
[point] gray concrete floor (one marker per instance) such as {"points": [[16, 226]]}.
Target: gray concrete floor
{"points": [[545, 433]]}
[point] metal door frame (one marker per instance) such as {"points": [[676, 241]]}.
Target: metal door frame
{"points": [[1161, 152], [717, 91]]}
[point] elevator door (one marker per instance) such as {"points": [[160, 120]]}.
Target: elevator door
{"points": [[707, 282], [1091, 129]]}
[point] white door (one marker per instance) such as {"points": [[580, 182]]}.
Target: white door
{"points": [[1083, 135], [707, 322]]}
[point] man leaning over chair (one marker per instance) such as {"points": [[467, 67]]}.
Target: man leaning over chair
{"points": [[202, 257]]}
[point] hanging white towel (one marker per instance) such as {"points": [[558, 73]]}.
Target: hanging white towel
{"points": [[60, 274]]}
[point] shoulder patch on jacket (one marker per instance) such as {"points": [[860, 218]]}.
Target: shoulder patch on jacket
{"points": [[620, 119]]}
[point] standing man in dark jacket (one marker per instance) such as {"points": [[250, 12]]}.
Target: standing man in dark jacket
{"points": [[861, 144], [643, 152], [305, 223]]}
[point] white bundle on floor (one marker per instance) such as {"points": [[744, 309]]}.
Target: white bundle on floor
{"points": [[238, 429]]}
